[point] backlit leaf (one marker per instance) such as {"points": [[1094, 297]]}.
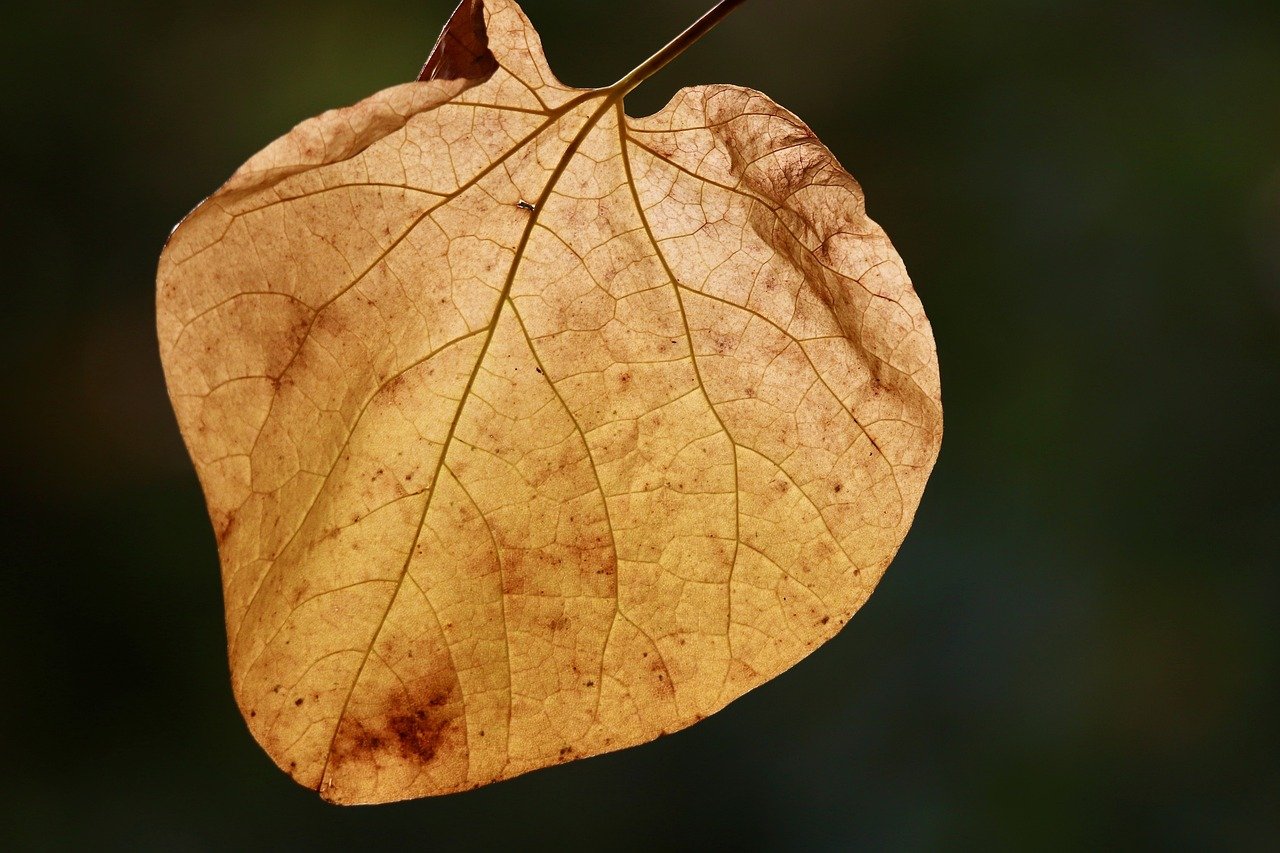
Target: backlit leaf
{"points": [[531, 431]]}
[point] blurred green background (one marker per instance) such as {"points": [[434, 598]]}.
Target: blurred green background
{"points": [[1078, 643]]}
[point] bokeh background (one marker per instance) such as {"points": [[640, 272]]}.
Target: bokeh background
{"points": [[1078, 645]]}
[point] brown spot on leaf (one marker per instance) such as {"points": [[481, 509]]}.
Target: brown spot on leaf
{"points": [[225, 527], [412, 732], [417, 735]]}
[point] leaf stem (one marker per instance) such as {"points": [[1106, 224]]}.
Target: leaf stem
{"points": [[677, 46]]}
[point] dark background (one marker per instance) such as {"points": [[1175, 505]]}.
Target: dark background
{"points": [[1078, 643]]}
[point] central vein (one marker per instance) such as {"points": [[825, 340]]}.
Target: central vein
{"points": [[611, 97]]}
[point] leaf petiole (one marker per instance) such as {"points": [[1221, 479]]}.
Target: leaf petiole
{"points": [[675, 47]]}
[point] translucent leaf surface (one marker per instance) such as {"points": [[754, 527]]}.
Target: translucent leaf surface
{"points": [[531, 431]]}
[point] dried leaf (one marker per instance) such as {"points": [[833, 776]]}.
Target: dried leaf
{"points": [[531, 431]]}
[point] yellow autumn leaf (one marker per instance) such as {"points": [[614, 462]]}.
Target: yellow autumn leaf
{"points": [[531, 431]]}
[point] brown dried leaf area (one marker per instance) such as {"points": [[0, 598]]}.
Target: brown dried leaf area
{"points": [[531, 431]]}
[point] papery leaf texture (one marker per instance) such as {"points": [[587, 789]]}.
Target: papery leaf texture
{"points": [[529, 430]]}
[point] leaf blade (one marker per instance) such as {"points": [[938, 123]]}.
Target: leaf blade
{"points": [[490, 481]]}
